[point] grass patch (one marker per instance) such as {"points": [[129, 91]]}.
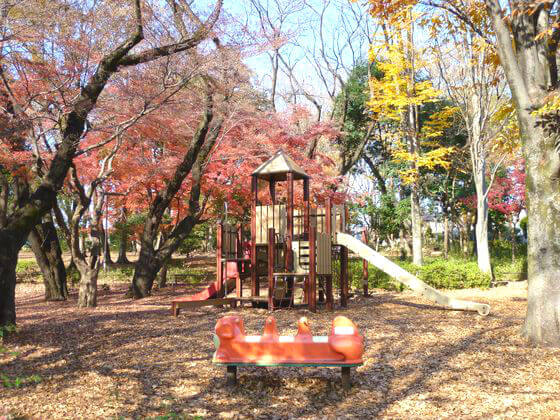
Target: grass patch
{"points": [[19, 381], [27, 270], [124, 273]]}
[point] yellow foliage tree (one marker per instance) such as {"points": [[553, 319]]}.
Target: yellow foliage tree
{"points": [[396, 97]]}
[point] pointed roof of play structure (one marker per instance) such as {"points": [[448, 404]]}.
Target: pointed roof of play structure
{"points": [[278, 166]]}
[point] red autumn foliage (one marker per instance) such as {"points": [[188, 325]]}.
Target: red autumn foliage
{"points": [[507, 194]]}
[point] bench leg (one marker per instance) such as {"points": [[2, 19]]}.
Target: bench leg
{"points": [[345, 375], [174, 309], [231, 376]]}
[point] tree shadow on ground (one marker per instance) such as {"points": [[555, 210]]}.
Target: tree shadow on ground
{"points": [[148, 363]]}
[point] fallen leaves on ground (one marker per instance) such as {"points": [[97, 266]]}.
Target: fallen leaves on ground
{"points": [[131, 359]]}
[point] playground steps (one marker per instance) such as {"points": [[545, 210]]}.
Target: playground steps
{"points": [[177, 305], [304, 255], [301, 256]]}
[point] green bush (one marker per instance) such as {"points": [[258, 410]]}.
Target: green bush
{"points": [[195, 240], [500, 249], [506, 270], [27, 270], [452, 274], [376, 278], [439, 273], [26, 267]]}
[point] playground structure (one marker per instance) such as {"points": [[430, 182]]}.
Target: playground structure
{"points": [[292, 247], [343, 348]]}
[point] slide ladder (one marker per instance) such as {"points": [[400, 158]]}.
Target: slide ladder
{"points": [[404, 277]]}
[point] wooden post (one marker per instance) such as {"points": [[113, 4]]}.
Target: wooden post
{"points": [[306, 209], [365, 274], [330, 297], [219, 253], [289, 222], [343, 261], [272, 189], [321, 280], [231, 375], [240, 265], [343, 276], [254, 279], [239, 242], [328, 217], [329, 230], [341, 225], [271, 252], [312, 284]]}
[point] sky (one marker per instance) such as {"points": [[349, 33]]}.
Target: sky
{"points": [[345, 31]]}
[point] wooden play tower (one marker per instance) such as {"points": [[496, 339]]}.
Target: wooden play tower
{"points": [[291, 247]]}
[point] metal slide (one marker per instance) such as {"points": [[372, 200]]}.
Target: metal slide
{"points": [[406, 278]]}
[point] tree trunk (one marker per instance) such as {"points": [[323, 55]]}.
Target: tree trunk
{"points": [[542, 323], [104, 238], [82, 242], [405, 248], [162, 276], [70, 270], [122, 259], [145, 272], [482, 248], [88, 267], [513, 239], [465, 230], [148, 265], [412, 133], [446, 235], [416, 218], [87, 295], [530, 64], [481, 230], [274, 60], [151, 260], [46, 247], [9, 250]]}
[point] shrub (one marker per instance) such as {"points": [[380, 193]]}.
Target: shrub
{"points": [[506, 270], [376, 278], [438, 273], [27, 270], [453, 274], [26, 266], [500, 249]]}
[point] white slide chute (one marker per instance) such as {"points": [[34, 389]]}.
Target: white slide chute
{"points": [[404, 277]]}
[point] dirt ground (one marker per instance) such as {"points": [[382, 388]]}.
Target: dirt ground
{"points": [[131, 359]]}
